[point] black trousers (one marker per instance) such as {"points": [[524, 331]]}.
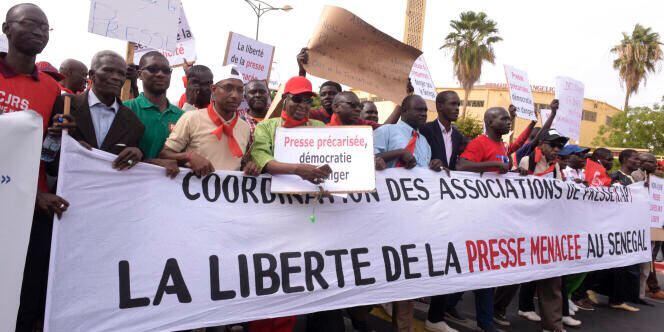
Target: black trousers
{"points": [[326, 321], [35, 274]]}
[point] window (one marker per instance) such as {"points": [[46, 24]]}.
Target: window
{"points": [[590, 116], [539, 107], [474, 103], [609, 120]]}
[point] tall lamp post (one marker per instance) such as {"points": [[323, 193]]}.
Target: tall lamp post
{"points": [[261, 7]]}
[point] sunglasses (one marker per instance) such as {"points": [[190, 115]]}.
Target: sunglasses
{"points": [[301, 99], [155, 69]]}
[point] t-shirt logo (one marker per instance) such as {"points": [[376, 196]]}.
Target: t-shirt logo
{"points": [[171, 126]]}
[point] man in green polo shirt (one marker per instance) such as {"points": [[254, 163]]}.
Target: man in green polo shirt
{"points": [[152, 107]]}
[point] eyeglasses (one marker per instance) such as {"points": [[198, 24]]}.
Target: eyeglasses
{"points": [[352, 105], [32, 25], [155, 69], [301, 99]]}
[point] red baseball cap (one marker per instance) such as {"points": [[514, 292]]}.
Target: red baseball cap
{"points": [[298, 85], [48, 68]]}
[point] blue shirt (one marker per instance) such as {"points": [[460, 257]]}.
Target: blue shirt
{"points": [[102, 116], [392, 137]]}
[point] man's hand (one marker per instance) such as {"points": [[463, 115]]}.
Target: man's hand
{"points": [[171, 166], [50, 203], [60, 122], [554, 106], [512, 111], [436, 165], [380, 164], [199, 165], [408, 159], [303, 57], [311, 173], [132, 72], [522, 171], [128, 158], [250, 168], [502, 168], [187, 65], [85, 145]]}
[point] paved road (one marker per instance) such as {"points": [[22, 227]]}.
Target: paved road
{"points": [[605, 319]]}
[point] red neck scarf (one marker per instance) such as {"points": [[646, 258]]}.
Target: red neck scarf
{"points": [[62, 87], [288, 122], [225, 129], [335, 121], [596, 175]]}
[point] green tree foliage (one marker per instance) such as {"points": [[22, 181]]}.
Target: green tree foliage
{"points": [[469, 127], [471, 42], [638, 127], [638, 55]]}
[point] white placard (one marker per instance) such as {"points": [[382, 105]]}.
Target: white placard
{"points": [[4, 43], [348, 150], [420, 78], [520, 92], [153, 23], [185, 49], [656, 188], [20, 144], [137, 251], [569, 93], [252, 58]]}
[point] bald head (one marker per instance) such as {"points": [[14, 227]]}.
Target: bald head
{"points": [[76, 75], [26, 28], [648, 162], [497, 121]]}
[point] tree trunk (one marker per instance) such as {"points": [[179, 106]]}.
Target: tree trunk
{"points": [[465, 103], [626, 100]]}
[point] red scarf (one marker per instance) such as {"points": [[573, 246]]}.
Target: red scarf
{"points": [[62, 87], [226, 129], [410, 147], [335, 121], [288, 122]]}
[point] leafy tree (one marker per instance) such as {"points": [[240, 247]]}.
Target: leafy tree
{"points": [[469, 127], [638, 55], [471, 42], [637, 127]]}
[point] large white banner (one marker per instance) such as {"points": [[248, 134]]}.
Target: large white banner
{"points": [[20, 143], [137, 251]]}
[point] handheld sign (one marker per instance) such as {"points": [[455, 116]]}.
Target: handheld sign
{"points": [[4, 43], [252, 58], [345, 49], [520, 93], [185, 48], [347, 150], [656, 202], [420, 78], [152, 23], [570, 94]]}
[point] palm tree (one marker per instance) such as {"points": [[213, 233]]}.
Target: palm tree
{"points": [[471, 42], [638, 55]]}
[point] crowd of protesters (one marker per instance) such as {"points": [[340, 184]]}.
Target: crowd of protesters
{"points": [[207, 131]]}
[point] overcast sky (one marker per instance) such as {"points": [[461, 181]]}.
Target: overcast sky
{"points": [[544, 38]]}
